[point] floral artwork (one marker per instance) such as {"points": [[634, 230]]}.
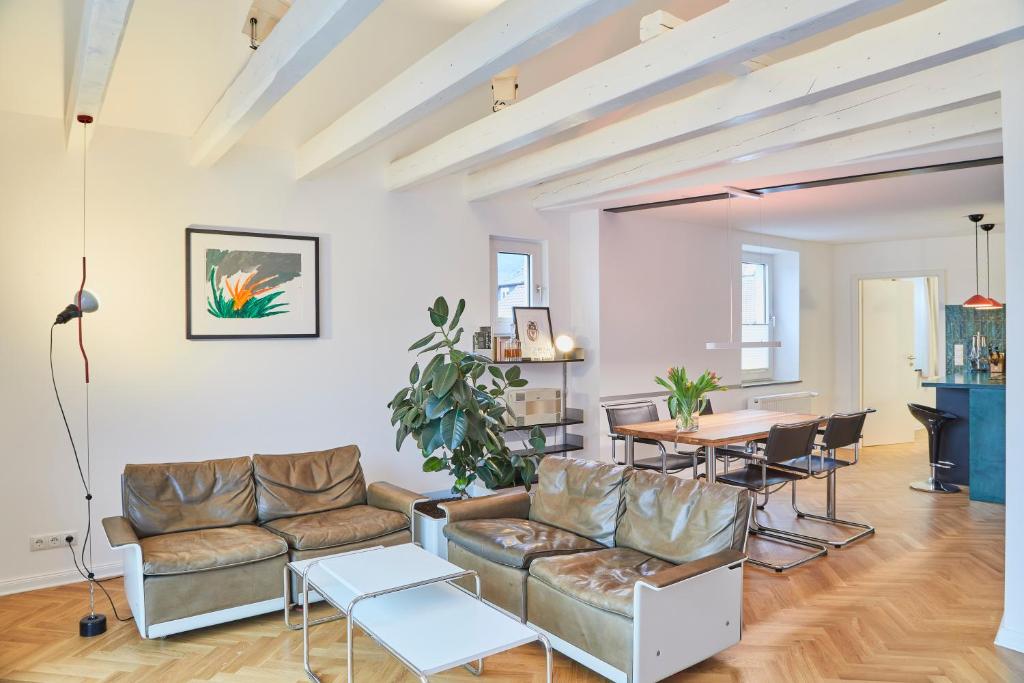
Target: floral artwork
{"points": [[242, 282], [251, 285]]}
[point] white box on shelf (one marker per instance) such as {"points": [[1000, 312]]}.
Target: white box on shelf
{"points": [[533, 406]]}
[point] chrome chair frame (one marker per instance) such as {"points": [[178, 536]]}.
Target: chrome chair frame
{"points": [[683, 460], [830, 516]]}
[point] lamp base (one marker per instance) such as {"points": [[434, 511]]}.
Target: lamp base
{"points": [[92, 625]]}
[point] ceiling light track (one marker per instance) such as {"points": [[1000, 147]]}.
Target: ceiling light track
{"points": [[825, 182]]}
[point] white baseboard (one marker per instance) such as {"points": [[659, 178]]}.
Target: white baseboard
{"points": [[1010, 638], [58, 578]]}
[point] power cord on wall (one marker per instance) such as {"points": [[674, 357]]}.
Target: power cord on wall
{"points": [[83, 568]]}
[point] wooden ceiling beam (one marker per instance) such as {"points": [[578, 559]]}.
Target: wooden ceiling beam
{"points": [[727, 35], [920, 41], [305, 35], [511, 33], [966, 81], [99, 41]]}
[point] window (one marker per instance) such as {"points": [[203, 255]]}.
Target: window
{"points": [[515, 280], [757, 319]]}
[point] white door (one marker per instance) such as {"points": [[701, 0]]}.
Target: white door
{"points": [[888, 378]]}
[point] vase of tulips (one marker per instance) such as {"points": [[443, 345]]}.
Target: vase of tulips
{"points": [[687, 398]]}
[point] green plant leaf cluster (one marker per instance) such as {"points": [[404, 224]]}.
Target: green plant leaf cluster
{"points": [[454, 408], [220, 306], [686, 396]]}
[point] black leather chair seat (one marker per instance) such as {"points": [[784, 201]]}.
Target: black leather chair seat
{"points": [[817, 465], [750, 477]]}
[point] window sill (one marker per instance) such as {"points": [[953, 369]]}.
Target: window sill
{"points": [[769, 383]]}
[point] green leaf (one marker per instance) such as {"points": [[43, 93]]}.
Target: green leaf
{"points": [[518, 383], [457, 338], [420, 343], [428, 371], [495, 372], [433, 464], [414, 373], [439, 312], [513, 373], [400, 436], [444, 379], [453, 428], [437, 407], [459, 309]]}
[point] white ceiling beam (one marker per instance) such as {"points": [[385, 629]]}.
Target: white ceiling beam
{"points": [[99, 40], [908, 45], [305, 35], [974, 79], [969, 120], [511, 33], [727, 35]]}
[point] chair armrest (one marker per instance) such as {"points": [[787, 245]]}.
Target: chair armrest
{"points": [[668, 577], [119, 532], [381, 494], [514, 505]]}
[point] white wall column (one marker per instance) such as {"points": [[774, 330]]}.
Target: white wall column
{"points": [[585, 286], [1011, 631]]}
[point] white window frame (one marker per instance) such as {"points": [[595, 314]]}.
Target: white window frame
{"points": [[538, 288], [760, 374]]}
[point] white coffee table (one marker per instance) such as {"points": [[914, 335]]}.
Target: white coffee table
{"points": [[404, 598]]}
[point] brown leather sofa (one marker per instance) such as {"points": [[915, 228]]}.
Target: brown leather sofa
{"points": [[633, 573], [206, 542]]}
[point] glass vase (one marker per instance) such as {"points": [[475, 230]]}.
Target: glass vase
{"points": [[688, 418]]}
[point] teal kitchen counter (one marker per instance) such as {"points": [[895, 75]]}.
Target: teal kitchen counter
{"points": [[976, 443]]}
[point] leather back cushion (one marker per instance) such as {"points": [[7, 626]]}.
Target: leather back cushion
{"points": [[289, 485], [581, 496], [680, 520], [185, 496]]}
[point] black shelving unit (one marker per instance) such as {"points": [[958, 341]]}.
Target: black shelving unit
{"points": [[570, 416]]}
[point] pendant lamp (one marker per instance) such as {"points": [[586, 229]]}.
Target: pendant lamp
{"points": [[993, 305], [977, 301]]}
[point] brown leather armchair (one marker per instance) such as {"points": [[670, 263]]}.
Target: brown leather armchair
{"points": [[635, 574], [207, 542]]}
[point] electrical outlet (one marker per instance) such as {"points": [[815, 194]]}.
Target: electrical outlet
{"points": [[54, 540]]}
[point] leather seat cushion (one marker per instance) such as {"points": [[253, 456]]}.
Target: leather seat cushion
{"points": [[337, 527], [514, 542], [301, 483], [816, 463], [603, 579], [750, 477], [185, 552]]}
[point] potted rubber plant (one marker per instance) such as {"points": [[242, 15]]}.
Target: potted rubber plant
{"points": [[454, 408], [686, 397]]}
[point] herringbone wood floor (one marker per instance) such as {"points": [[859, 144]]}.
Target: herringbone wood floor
{"points": [[919, 601]]}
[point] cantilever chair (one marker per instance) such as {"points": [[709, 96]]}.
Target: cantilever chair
{"points": [[785, 442], [842, 431], [635, 412]]}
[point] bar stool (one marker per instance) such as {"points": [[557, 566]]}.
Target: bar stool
{"points": [[933, 420]]}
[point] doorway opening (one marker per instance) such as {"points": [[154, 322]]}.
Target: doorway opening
{"points": [[901, 330]]}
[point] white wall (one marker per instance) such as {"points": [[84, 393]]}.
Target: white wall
{"points": [[951, 258], [157, 397], [1011, 630], [665, 293]]}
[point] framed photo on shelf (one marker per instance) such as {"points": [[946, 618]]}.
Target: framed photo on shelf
{"points": [[533, 330], [251, 285]]}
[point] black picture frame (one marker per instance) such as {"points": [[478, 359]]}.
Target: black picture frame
{"points": [[190, 231], [550, 330]]}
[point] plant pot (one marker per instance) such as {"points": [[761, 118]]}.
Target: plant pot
{"points": [[430, 534]]}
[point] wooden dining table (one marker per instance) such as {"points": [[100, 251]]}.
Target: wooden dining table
{"points": [[720, 429]]}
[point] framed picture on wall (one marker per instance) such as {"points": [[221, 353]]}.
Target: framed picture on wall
{"points": [[533, 330], [251, 285]]}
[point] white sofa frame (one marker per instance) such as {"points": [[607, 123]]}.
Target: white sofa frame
{"points": [[134, 589], [664, 644]]}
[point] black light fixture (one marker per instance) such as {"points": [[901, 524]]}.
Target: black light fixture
{"points": [[993, 305], [977, 300]]}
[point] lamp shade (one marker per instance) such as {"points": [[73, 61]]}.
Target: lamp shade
{"points": [[978, 301]]}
